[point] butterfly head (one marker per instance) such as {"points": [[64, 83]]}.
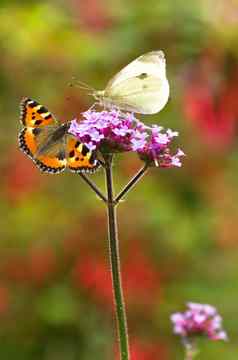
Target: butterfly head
{"points": [[98, 95]]}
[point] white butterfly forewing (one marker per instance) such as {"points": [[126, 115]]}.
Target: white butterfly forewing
{"points": [[152, 63], [140, 87]]}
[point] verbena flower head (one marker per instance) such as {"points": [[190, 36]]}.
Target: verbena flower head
{"points": [[115, 131], [199, 319]]}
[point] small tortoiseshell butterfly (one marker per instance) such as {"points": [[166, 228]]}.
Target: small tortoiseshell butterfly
{"points": [[49, 144]]}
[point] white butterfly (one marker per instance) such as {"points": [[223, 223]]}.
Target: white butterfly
{"points": [[140, 87]]}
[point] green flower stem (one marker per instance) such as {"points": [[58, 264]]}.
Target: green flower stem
{"points": [[93, 187], [190, 354], [191, 350], [115, 263], [132, 183], [111, 203]]}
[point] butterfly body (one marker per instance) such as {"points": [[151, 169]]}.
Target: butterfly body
{"points": [[49, 144], [140, 87], [55, 134]]}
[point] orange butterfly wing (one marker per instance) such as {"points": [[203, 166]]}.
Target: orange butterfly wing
{"points": [[39, 125], [49, 145]]}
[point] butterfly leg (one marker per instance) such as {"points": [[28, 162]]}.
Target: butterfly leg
{"points": [[93, 106]]}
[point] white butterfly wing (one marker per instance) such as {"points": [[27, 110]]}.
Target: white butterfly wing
{"points": [[141, 86], [144, 95]]}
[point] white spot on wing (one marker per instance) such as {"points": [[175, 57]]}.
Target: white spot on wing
{"points": [[44, 115]]}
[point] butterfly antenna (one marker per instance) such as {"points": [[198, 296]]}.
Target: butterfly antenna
{"points": [[81, 85]]}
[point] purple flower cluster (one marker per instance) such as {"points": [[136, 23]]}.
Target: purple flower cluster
{"points": [[199, 319], [123, 132]]}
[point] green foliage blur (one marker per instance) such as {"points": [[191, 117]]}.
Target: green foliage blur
{"points": [[178, 228]]}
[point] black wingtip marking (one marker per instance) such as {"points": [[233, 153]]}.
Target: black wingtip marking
{"points": [[25, 99], [32, 103], [23, 104], [42, 110]]}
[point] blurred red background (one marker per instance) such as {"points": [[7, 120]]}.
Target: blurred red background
{"points": [[178, 227]]}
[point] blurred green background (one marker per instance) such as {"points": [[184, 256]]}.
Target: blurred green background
{"points": [[178, 227]]}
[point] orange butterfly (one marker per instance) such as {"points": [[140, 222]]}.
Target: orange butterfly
{"points": [[49, 144]]}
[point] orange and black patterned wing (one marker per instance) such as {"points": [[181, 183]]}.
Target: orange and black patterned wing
{"points": [[42, 139], [49, 145], [79, 158], [41, 146], [34, 115]]}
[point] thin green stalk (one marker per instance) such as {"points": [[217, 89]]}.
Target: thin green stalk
{"points": [[190, 355], [132, 183], [115, 263], [94, 187], [191, 350]]}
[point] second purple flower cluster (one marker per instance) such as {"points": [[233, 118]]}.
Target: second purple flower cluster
{"points": [[123, 132], [199, 319]]}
